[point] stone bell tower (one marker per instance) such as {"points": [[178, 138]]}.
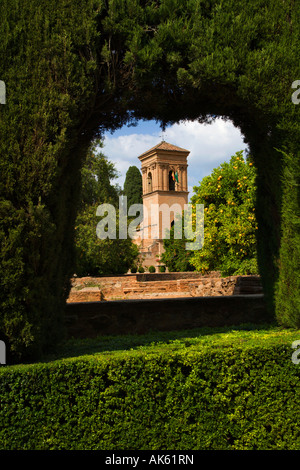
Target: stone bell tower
{"points": [[164, 174]]}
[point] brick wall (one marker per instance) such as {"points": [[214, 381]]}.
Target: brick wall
{"points": [[124, 304], [138, 316], [161, 285]]}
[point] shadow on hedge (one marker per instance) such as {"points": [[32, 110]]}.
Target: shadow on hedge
{"points": [[89, 346]]}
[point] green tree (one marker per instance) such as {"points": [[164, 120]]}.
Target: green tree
{"points": [[95, 256], [175, 256], [133, 187], [96, 178], [230, 225]]}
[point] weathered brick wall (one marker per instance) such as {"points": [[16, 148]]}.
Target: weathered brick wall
{"points": [[123, 304], [161, 285], [138, 316]]}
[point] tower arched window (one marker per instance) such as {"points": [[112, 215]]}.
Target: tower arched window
{"points": [[149, 182], [171, 180]]}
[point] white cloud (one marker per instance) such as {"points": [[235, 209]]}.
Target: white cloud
{"points": [[209, 146], [124, 150]]}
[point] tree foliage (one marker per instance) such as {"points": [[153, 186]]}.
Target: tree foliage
{"points": [[133, 187], [230, 225], [175, 256], [96, 256]]}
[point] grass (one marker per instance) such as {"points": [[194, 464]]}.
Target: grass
{"points": [[247, 335]]}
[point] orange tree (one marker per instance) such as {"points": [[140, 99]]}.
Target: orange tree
{"points": [[230, 225]]}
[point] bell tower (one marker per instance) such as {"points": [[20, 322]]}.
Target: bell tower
{"points": [[165, 192]]}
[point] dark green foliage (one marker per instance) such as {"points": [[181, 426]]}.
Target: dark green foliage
{"points": [[25, 234], [48, 73], [228, 196], [74, 69], [151, 269], [288, 313], [189, 393], [133, 187]]}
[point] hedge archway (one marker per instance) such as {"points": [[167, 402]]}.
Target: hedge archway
{"points": [[75, 69]]}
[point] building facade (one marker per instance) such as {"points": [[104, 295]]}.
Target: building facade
{"points": [[165, 192]]}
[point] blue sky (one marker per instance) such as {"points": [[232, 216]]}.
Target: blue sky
{"points": [[209, 145]]}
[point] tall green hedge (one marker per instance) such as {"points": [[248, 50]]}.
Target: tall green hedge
{"points": [[49, 68], [231, 396], [288, 287], [75, 69]]}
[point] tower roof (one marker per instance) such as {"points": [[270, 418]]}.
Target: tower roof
{"points": [[165, 146]]}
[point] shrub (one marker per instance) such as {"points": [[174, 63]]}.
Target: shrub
{"points": [[230, 224], [189, 393], [133, 270], [141, 269], [175, 256], [152, 269], [162, 269]]}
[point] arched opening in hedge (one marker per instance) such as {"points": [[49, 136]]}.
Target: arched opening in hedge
{"points": [[80, 68]]}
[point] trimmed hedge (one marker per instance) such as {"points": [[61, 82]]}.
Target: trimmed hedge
{"points": [[186, 394]]}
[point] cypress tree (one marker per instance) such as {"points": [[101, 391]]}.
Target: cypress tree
{"points": [[133, 187]]}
